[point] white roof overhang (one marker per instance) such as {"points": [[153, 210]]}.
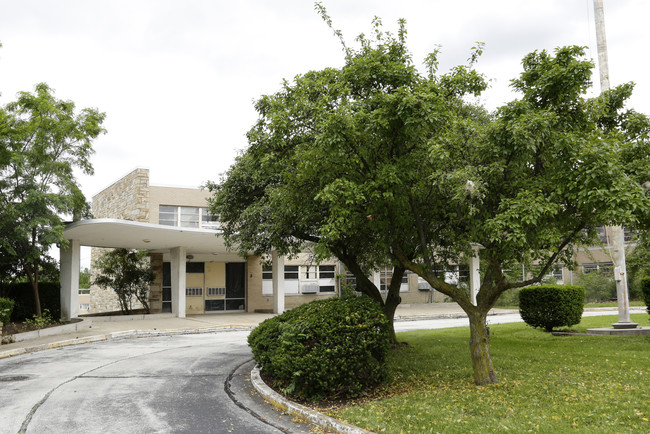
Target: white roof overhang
{"points": [[136, 235]]}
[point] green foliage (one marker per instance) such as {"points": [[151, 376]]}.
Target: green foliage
{"points": [[43, 141], [637, 263], [42, 321], [128, 273], [375, 160], [331, 348], [23, 295], [6, 308], [549, 306], [599, 285], [645, 289], [84, 279]]}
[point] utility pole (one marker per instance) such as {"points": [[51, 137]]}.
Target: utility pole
{"points": [[616, 235]]}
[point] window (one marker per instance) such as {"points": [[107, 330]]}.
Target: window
{"points": [[605, 267], [195, 267], [186, 217], [291, 272], [83, 291], [168, 215], [602, 234], [189, 217], [326, 271], [194, 292], [327, 288], [84, 306], [351, 280], [214, 291], [308, 272], [267, 272]]}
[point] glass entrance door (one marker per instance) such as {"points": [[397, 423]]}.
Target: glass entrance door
{"points": [[236, 286]]}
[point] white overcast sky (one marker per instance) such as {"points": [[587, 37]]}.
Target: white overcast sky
{"points": [[177, 79]]}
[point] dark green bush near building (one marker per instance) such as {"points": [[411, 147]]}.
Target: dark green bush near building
{"points": [[23, 296], [6, 307], [331, 348], [645, 289], [549, 306]]}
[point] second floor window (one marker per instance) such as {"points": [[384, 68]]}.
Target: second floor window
{"points": [[186, 217]]}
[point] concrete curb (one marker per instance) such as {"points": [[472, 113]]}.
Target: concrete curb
{"points": [[51, 331], [125, 334], [293, 408]]}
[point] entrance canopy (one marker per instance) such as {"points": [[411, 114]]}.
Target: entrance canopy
{"points": [[114, 233], [157, 238]]}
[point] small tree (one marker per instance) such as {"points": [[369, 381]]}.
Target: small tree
{"points": [[128, 273]]}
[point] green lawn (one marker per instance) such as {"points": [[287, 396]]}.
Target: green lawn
{"points": [[614, 304], [547, 384]]}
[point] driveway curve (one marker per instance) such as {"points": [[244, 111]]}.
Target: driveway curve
{"points": [[159, 384]]}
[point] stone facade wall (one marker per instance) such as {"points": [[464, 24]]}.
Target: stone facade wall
{"points": [[126, 199]]}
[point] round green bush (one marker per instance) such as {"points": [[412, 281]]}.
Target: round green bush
{"points": [[645, 290], [324, 349], [549, 306]]}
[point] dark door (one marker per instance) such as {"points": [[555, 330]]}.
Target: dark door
{"points": [[236, 286]]}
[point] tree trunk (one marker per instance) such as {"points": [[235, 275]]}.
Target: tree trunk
{"points": [[393, 300], [479, 346], [32, 275]]}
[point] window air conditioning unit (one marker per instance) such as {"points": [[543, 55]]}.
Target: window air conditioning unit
{"points": [[424, 286], [309, 288]]}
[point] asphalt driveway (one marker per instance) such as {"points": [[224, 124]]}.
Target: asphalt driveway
{"points": [[143, 385]]}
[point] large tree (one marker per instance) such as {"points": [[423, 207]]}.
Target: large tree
{"points": [[42, 141], [324, 134], [528, 183]]}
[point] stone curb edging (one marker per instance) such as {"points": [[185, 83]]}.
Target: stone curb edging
{"points": [[293, 408], [125, 334]]}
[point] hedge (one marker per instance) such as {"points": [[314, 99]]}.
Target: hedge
{"points": [[324, 349], [23, 296], [549, 306]]}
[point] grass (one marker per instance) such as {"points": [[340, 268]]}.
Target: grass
{"points": [[614, 304], [547, 384], [604, 304]]}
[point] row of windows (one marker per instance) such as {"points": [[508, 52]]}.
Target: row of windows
{"points": [[606, 267], [628, 234], [302, 272], [186, 217]]}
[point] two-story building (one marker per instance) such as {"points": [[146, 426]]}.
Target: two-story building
{"points": [[188, 254]]}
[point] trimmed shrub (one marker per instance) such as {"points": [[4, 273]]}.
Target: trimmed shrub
{"points": [[23, 296], [549, 306], [6, 307], [331, 348], [645, 289]]}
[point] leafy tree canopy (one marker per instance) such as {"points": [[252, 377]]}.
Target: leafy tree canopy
{"points": [[333, 135], [42, 141], [382, 162]]}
